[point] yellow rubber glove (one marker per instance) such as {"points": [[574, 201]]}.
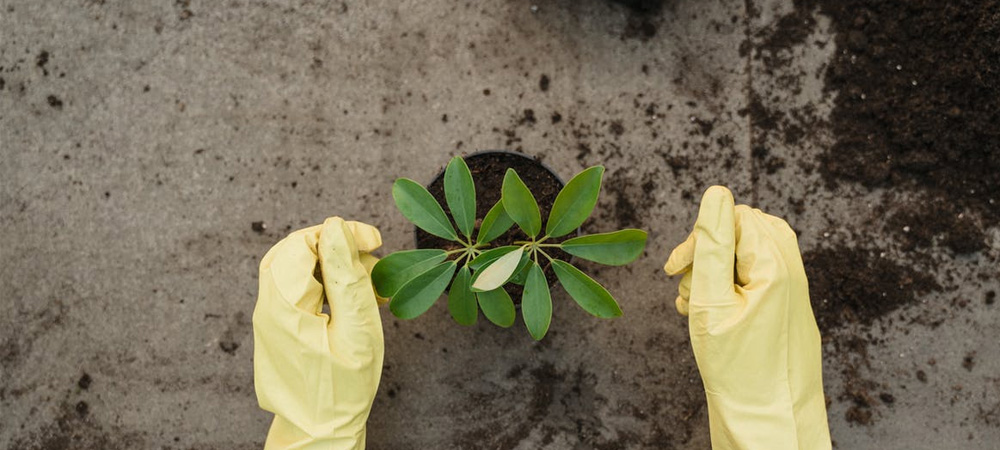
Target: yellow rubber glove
{"points": [[318, 373], [754, 337]]}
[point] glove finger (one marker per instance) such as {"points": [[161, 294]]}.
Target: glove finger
{"points": [[787, 242], [684, 294], [779, 224], [355, 324], [759, 262], [288, 269], [681, 257], [715, 251], [366, 237], [683, 305], [741, 270], [684, 288], [369, 260]]}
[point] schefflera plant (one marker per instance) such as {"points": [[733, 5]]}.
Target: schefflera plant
{"points": [[478, 271]]}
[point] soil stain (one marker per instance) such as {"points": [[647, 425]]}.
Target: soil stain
{"points": [[851, 288], [922, 223], [54, 102], [553, 403], [917, 97], [74, 429], [858, 286]]}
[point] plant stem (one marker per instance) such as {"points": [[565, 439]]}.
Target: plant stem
{"points": [[550, 245]]}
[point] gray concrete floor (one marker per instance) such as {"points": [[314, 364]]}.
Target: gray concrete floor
{"points": [[134, 159]]}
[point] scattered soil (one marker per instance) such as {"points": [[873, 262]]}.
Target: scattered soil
{"points": [[919, 224], [629, 198], [85, 381], [73, 429], [229, 347], [851, 287], [616, 128], [555, 402], [918, 101], [917, 85], [857, 286], [488, 170], [969, 362]]}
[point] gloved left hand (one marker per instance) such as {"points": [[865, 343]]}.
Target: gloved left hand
{"points": [[318, 373]]}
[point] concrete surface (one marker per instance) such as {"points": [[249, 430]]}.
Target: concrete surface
{"points": [[135, 158]]}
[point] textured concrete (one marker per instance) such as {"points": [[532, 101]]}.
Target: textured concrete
{"points": [[136, 153]]}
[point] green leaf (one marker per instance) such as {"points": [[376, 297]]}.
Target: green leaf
{"points": [[460, 192], [589, 294], [393, 271], [461, 300], [536, 304], [419, 207], [575, 202], [417, 296], [521, 272], [614, 249], [520, 204], [497, 306], [497, 273], [490, 255], [495, 223]]}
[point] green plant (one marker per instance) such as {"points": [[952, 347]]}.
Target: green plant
{"points": [[414, 279]]}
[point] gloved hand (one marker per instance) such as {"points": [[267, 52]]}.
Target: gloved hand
{"points": [[317, 373], [754, 337]]}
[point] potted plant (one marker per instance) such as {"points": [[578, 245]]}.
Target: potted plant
{"points": [[475, 259]]}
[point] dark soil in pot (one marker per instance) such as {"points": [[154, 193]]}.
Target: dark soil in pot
{"points": [[488, 169]]}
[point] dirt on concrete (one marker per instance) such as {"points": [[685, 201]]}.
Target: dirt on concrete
{"points": [[859, 286], [919, 98], [916, 96]]}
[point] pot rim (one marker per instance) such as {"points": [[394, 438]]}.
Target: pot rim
{"points": [[562, 183], [503, 152]]}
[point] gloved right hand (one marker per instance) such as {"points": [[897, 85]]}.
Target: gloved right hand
{"points": [[754, 336], [318, 373]]}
